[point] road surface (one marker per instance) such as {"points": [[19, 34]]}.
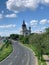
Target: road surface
{"points": [[19, 56]]}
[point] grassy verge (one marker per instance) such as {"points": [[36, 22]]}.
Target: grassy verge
{"points": [[48, 55], [5, 52], [34, 49], [41, 62]]}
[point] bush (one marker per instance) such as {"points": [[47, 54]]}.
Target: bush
{"points": [[14, 36], [25, 40]]}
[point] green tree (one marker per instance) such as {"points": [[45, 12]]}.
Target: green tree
{"points": [[47, 30], [14, 36]]}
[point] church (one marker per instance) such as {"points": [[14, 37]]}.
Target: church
{"points": [[25, 31]]}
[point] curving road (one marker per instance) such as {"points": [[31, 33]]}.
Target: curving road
{"points": [[19, 56]]}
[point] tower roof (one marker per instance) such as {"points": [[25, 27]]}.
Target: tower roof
{"points": [[24, 25]]}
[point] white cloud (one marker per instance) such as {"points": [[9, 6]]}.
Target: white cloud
{"points": [[27, 24], [45, 2], [43, 21], [20, 5], [7, 32], [48, 21], [43, 27], [8, 26], [11, 15], [1, 16], [39, 29], [33, 22], [19, 31], [0, 33]]}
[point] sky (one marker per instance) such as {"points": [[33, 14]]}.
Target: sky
{"points": [[13, 12]]}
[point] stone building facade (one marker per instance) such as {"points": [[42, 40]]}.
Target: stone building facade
{"points": [[25, 31]]}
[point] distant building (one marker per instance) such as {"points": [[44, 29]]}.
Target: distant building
{"points": [[25, 31]]}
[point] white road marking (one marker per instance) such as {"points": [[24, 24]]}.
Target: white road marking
{"points": [[23, 61], [28, 59]]}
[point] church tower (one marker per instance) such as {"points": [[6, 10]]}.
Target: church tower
{"points": [[24, 28], [25, 31], [29, 30]]}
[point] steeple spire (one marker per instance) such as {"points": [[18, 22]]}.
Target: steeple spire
{"points": [[23, 21], [25, 31], [23, 25]]}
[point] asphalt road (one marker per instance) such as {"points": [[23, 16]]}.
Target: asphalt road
{"points": [[19, 56]]}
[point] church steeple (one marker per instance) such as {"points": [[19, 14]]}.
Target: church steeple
{"points": [[25, 31], [23, 25], [23, 21], [24, 28], [30, 30]]}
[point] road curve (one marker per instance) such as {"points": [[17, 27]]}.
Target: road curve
{"points": [[19, 56]]}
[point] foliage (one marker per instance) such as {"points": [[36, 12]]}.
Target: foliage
{"points": [[5, 51], [39, 41], [47, 30], [24, 39], [14, 36]]}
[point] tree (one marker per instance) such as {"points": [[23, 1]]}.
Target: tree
{"points": [[47, 30], [14, 36]]}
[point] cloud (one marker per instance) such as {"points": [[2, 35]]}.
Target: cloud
{"points": [[44, 21], [20, 5], [0, 33], [11, 15], [43, 27], [8, 26], [45, 2], [39, 29], [33, 22], [1, 16], [7, 32], [48, 21]]}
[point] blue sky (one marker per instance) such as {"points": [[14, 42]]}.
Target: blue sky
{"points": [[13, 12]]}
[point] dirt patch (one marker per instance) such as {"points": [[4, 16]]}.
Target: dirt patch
{"points": [[46, 58]]}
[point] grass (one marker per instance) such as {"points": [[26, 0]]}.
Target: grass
{"points": [[34, 49], [41, 62], [5, 52], [48, 56]]}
